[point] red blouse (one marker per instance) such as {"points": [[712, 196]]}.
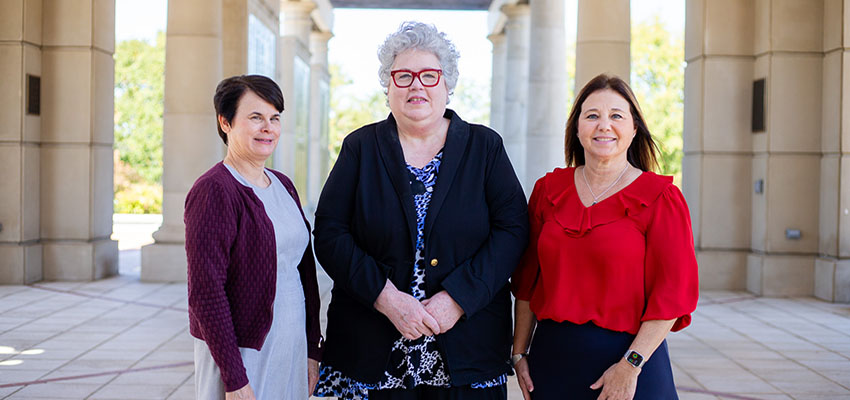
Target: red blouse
{"points": [[627, 259]]}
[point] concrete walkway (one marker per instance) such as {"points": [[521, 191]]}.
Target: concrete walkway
{"points": [[120, 338]]}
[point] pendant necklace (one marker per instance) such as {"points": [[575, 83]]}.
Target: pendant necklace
{"points": [[595, 197]]}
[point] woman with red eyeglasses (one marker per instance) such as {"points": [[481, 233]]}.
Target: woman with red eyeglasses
{"points": [[420, 225]]}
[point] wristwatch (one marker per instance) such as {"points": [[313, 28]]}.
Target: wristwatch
{"points": [[634, 358], [516, 357]]}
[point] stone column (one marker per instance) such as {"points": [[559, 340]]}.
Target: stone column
{"points": [[832, 268], [20, 137], [294, 79], [193, 68], [603, 39], [788, 47], [318, 152], [498, 82], [513, 131], [547, 100], [76, 140], [716, 168], [244, 49]]}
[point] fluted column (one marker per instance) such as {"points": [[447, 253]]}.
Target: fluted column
{"points": [[498, 81], [193, 68], [547, 90], [602, 40], [517, 32], [318, 152]]}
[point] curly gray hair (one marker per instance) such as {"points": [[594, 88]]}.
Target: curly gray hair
{"points": [[419, 36]]}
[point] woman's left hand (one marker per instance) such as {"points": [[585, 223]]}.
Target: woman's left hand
{"points": [[444, 309], [618, 382], [312, 374]]}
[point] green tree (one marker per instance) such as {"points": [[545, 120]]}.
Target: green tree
{"points": [[471, 100], [349, 112], [658, 79], [139, 89]]}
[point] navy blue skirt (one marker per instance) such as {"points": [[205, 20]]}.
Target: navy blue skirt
{"points": [[566, 358]]}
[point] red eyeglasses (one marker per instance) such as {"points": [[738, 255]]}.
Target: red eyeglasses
{"points": [[403, 78]]}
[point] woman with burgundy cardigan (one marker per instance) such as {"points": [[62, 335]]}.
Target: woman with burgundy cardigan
{"points": [[253, 294]]}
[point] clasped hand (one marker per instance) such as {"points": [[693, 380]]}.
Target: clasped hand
{"points": [[413, 318]]}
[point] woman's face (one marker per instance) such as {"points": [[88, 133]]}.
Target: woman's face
{"points": [[605, 126], [417, 103], [253, 133]]}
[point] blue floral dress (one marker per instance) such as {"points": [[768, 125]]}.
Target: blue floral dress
{"points": [[412, 362]]}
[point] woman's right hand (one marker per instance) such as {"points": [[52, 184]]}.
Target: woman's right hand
{"points": [[524, 378], [406, 313], [243, 393]]}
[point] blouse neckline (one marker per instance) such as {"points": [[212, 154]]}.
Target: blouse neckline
{"points": [[578, 219]]}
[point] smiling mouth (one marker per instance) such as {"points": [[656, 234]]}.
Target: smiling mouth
{"points": [[416, 100], [603, 139], [267, 141]]}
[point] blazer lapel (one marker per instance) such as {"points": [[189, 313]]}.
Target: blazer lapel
{"points": [[390, 152], [456, 139]]}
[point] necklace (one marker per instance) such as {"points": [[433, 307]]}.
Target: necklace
{"points": [[595, 197]]}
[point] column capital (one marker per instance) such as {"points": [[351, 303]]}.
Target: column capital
{"points": [[320, 38], [496, 38], [296, 20], [515, 10], [297, 9]]}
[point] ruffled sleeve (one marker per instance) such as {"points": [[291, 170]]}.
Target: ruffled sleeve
{"points": [[525, 276], [671, 277]]}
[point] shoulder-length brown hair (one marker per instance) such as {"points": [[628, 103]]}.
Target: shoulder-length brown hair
{"points": [[641, 153]]}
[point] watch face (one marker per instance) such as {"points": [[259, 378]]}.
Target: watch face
{"points": [[634, 358]]}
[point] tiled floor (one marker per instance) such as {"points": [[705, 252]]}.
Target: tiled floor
{"points": [[122, 339]]}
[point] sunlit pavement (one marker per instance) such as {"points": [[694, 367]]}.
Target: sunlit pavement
{"points": [[120, 338]]}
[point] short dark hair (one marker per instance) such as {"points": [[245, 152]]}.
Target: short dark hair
{"points": [[230, 91], [641, 153]]}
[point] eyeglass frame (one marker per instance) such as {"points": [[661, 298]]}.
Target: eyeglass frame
{"points": [[416, 76]]}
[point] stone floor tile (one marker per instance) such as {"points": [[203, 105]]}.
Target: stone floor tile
{"points": [[63, 374], [58, 390], [104, 354], [733, 382], [187, 392], [171, 356], [23, 363], [16, 375], [79, 367], [38, 353], [133, 392], [163, 377], [762, 354], [684, 395]]}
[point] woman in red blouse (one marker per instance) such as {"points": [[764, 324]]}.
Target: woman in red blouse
{"points": [[610, 267]]}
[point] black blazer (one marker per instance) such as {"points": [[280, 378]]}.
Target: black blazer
{"points": [[475, 232]]}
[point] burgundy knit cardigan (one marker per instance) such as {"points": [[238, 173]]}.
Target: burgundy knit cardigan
{"points": [[230, 246]]}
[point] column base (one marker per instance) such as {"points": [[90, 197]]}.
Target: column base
{"points": [[780, 275], [164, 262], [80, 260], [832, 280], [722, 269], [20, 264]]}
